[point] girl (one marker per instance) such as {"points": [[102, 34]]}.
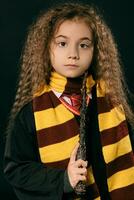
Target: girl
{"points": [[70, 85]]}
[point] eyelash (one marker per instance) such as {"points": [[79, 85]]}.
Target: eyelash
{"points": [[85, 45], [60, 44], [82, 44]]}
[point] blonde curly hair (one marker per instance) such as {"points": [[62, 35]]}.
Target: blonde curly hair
{"points": [[35, 59]]}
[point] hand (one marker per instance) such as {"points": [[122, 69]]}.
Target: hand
{"points": [[77, 169]]}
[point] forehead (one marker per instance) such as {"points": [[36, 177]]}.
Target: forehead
{"points": [[74, 28]]}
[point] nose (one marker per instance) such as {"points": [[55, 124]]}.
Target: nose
{"points": [[73, 53], [73, 57]]}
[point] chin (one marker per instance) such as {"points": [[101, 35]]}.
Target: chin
{"points": [[72, 76]]}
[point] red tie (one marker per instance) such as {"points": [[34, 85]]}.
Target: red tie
{"points": [[76, 101]]}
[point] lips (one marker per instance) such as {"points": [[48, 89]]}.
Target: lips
{"points": [[71, 65]]}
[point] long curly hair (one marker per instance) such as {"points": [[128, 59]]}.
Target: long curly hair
{"points": [[35, 59]]}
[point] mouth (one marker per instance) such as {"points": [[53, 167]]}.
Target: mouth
{"points": [[71, 65]]}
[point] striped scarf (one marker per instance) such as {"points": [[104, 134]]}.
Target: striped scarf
{"points": [[58, 132]]}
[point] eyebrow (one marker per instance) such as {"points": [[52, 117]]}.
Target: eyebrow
{"points": [[83, 38]]}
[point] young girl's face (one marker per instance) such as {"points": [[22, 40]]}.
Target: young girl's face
{"points": [[71, 50]]}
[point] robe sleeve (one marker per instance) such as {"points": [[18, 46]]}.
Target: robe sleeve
{"points": [[30, 178]]}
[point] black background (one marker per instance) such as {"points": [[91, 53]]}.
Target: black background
{"points": [[16, 16]]}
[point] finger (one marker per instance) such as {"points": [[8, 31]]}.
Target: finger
{"points": [[81, 178], [81, 163], [82, 171], [74, 153]]}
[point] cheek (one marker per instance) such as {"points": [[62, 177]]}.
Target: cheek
{"points": [[88, 58], [55, 54]]}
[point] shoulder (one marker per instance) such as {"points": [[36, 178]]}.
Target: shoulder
{"points": [[25, 110], [25, 118]]}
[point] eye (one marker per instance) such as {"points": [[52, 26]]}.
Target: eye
{"points": [[62, 44], [84, 46]]}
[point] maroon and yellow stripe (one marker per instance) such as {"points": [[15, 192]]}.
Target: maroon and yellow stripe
{"points": [[58, 133], [116, 147]]}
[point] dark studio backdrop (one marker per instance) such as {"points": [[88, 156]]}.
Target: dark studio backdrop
{"points": [[16, 16]]}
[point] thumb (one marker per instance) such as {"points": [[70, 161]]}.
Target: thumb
{"points": [[74, 153]]}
